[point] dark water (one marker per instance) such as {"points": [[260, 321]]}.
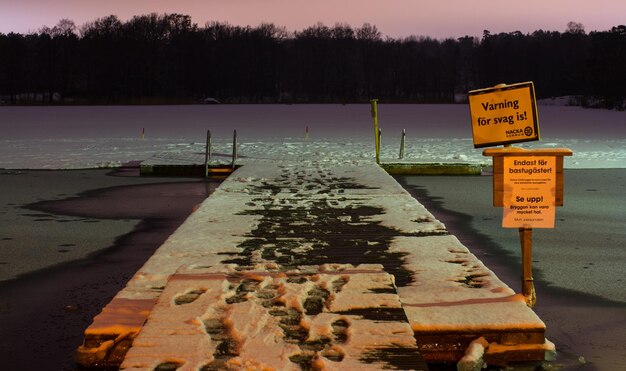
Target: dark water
{"points": [[43, 314]]}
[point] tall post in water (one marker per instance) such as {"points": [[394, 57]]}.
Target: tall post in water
{"points": [[207, 153], [374, 104], [402, 142], [234, 148]]}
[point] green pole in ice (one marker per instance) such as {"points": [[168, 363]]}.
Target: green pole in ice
{"points": [[374, 104]]}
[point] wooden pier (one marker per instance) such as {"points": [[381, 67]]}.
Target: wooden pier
{"points": [[300, 265]]}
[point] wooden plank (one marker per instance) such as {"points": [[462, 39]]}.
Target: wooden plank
{"points": [[111, 334], [406, 168], [451, 346], [276, 321], [517, 151], [559, 181], [498, 181]]}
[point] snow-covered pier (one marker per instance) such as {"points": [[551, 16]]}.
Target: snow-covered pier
{"points": [[300, 265]]}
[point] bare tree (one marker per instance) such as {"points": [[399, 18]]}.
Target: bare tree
{"points": [[575, 28]]}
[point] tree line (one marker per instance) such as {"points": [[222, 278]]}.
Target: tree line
{"points": [[166, 58]]}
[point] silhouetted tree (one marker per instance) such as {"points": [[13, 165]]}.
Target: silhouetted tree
{"points": [[167, 58]]}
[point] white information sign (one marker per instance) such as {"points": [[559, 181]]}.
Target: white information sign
{"points": [[529, 192]]}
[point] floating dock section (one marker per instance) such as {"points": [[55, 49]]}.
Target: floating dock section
{"points": [[304, 265]]}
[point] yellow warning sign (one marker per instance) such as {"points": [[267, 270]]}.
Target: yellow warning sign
{"points": [[529, 192], [504, 114]]}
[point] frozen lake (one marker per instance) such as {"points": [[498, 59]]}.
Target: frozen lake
{"points": [[103, 136]]}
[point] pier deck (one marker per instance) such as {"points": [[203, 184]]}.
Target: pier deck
{"points": [[293, 265]]}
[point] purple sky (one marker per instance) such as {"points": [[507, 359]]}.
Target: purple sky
{"points": [[395, 18]]}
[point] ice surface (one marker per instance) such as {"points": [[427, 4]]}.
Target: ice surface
{"points": [[91, 137]]}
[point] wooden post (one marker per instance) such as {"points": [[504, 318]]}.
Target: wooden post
{"points": [[207, 153], [380, 137], [234, 148], [402, 142], [374, 105], [525, 234], [528, 286]]}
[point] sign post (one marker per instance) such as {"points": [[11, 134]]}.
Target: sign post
{"points": [[528, 285], [527, 184]]}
